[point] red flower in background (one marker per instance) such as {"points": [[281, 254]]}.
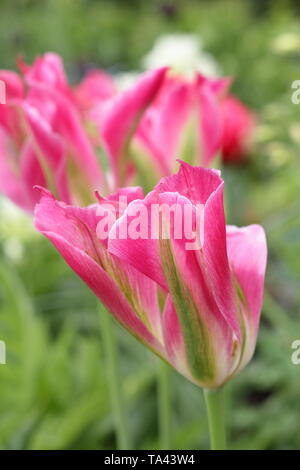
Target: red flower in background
{"points": [[238, 126]]}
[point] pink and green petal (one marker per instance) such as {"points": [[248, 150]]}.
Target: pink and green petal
{"points": [[120, 117]]}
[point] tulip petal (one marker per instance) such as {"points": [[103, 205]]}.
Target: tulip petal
{"points": [[160, 129], [49, 151], [95, 87], [14, 88], [247, 253], [129, 295], [205, 186], [173, 338], [205, 313], [122, 113], [48, 70], [17, 178], [210, 118], [65, 120]]}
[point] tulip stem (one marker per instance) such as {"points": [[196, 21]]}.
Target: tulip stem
{"points": [[214, 400], [164, 406], [114, 383]]}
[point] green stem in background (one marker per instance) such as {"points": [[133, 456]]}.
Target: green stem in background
{"points": [[164, 406], [214, 400], [114, 382]]}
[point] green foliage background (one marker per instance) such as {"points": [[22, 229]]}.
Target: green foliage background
{"points": [[53, 389]]}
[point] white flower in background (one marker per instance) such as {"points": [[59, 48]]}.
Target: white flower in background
{"points": [[15, 228], [184, 53]]}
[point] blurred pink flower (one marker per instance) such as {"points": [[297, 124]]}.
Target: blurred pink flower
{"points": [[118, 118], [47, 137], [129, 295], [17, 162], [180, 105], [97, 86], [42, 138]]}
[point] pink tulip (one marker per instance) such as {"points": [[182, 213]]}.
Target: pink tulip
{"points": [[118, 118], [13, 84], [161, 128], [212, 294], [43, 140], [48, 70], [211, 92], [238, 127], [18, 167], [80, 156], [30, 153], [128, 294], [181, 104]]}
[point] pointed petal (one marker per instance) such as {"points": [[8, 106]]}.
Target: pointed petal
{"points": [[48, 70], [211, 123], [160, 129], [49, 151], [64, 119], [126, 294], [14, 88], [121, 115]]}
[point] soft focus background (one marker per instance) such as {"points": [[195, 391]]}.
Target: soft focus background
{"points": [[53, 390]]}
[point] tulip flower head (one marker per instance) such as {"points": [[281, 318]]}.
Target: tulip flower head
{"points": [[185, 119], [42, 138], [47, 136], [196, 306]]}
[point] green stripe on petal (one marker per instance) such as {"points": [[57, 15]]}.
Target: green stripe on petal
{"points": [[99, 253], [241, 308], [199, 349]]}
